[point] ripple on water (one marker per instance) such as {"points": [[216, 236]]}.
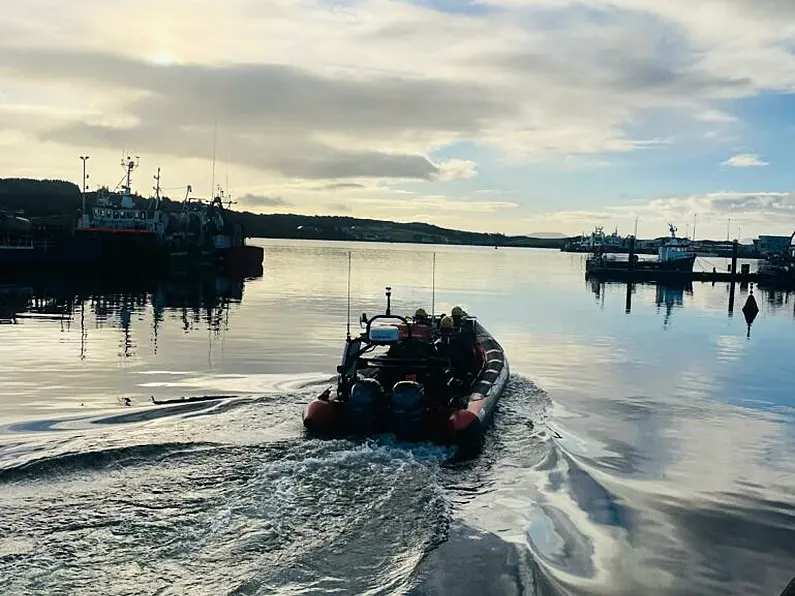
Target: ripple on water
{"points": [[289, 515]]}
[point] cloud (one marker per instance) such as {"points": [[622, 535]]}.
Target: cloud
{"points": [[744, 160], [339, 186], [348, 92], [771, 212], [426, 204], [749, 205], [312, 95], [456, 168], [262, 201], [312, 127], [494, 191], [715, 116]]}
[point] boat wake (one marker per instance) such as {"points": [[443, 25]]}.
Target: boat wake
{"points": [[232, 497], [237, 500]]}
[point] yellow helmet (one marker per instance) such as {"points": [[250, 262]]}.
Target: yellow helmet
{"points": [[420, 314], [457, 311], [446, 323]]}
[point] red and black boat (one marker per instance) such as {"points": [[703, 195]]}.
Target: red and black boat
{"points": [[403, 376]]}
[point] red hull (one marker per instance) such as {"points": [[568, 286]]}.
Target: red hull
{"points": [[462, 427], [441, 425]]}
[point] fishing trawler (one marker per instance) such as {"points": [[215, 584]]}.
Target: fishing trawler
{"points": [[672, 255], [129, 235], [134, 232], [229, 239]]}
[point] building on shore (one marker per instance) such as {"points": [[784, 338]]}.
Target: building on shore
{"points": [[767, 245]]}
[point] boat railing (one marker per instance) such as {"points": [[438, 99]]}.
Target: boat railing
{"points": [[11, 242]]}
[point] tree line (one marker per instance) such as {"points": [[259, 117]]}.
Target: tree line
{"points": [[62, 200]]}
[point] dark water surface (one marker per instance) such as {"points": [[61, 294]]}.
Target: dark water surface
{"points": [[644, 446]]}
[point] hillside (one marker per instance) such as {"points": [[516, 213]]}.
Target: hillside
{"points": [[54, 199]]}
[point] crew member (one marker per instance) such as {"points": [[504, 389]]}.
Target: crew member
{"points": [[453, 346], [418, 346], [421, 317], [461, 326]]}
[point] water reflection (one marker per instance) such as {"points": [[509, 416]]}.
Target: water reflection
{"points": [[196, 302], [641, 449], [667, 297], [670, 297]]}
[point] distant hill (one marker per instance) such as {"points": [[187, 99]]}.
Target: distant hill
{"points": [[53, 198], [546, 235]]}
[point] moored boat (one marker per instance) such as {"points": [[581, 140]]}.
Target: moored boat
{"points": [[129, 236], [24, 247], [778, 270], [229, 240], [435, 378], [672, 256]]}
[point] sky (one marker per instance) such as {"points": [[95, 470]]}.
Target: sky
{"points": [[512, 116]]}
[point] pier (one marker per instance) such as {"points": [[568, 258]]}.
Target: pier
{"points": [[662, 276], [631, 272]]}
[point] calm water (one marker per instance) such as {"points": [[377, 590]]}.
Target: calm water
{"points": [[644, 446]]}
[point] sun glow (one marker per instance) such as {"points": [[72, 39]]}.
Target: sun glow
{"points": [[163, 59]]}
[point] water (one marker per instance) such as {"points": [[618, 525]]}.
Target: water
{"points": [[644, 446]]}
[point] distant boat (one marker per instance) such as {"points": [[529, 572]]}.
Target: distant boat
{"points": [[598, 240]]}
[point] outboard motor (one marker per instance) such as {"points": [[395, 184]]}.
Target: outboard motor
{"points": [[408, 408], [365, 405]]}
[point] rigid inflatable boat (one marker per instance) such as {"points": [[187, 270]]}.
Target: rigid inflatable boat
{"points": [[421, 380]]}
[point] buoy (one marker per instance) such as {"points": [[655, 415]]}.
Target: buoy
{"points": [[750, 310]]}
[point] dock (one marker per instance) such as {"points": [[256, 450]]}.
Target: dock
{"points": [[676, 277], [630, 272]]}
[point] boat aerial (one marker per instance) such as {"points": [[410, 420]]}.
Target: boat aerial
{"points": [[429, 377]]}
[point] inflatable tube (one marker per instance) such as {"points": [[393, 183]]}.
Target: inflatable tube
{"points": [[410, 409], [468, 425]]}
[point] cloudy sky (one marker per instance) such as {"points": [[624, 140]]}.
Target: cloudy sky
{"points": [[514, 116]]}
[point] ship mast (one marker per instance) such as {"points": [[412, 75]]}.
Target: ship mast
{"points": [[156, 188], [129, 164]]}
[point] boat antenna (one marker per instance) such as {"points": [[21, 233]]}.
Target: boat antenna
{"points": [[349, 297], [433, 288], [157, 189], [388, 301], [215, 135]]}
